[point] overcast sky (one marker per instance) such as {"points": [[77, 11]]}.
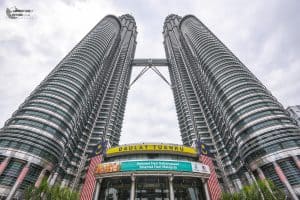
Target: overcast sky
{"points": [[263, 34]]}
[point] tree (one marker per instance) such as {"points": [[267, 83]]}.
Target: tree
{"points": [[47, 192], [262, 190]]}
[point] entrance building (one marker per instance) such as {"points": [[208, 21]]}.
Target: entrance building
{"points": [[151, 172]]}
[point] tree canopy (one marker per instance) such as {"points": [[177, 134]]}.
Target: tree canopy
{"points": [[263, 190], [47, 192]]}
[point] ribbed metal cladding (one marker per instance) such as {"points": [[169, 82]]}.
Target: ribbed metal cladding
{"points": [[195, 120], [108, 122], [112, 108], [248, 126], [57, 124], [294, 112]]}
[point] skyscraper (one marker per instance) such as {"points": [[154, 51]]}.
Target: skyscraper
{"points": [[82, 101], [219, 101], [295, 113]]}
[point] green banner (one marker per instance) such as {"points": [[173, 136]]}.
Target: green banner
{"points": [[156, 165]]}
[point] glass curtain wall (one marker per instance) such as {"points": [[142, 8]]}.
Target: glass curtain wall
{"points": [[152, 188], [115, 188], [188, 189]]}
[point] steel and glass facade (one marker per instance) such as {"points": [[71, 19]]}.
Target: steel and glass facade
{"points": [[295, 113], [81, 101], [219, 101]]}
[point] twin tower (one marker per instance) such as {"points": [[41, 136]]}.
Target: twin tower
{"points": [[82, 101]]}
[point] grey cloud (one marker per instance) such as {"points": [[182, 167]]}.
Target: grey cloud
{"points": [[15, 44], [150, 113]]}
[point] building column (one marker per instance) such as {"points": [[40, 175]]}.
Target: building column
{"points": [[53, 178], [263, 178], [284, 180], [40, 178], [249, 178], [132, 190], [97, 190], [4, 164], [18, 181], [207, 194], [171, 178], [237, 184], [261, 174], [297, 161]]}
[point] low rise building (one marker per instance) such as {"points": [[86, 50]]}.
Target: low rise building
{"points": [[151, 171]]}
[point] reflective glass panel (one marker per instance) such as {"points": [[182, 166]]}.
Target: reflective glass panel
{"points": [[188, 189], [115, 189], [152, 188]]}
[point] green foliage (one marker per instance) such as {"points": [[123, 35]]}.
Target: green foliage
{"points": [[47, 192], [262, 190], [229, 196]]}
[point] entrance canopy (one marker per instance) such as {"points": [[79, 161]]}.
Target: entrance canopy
{"points": [[151, 171]]}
